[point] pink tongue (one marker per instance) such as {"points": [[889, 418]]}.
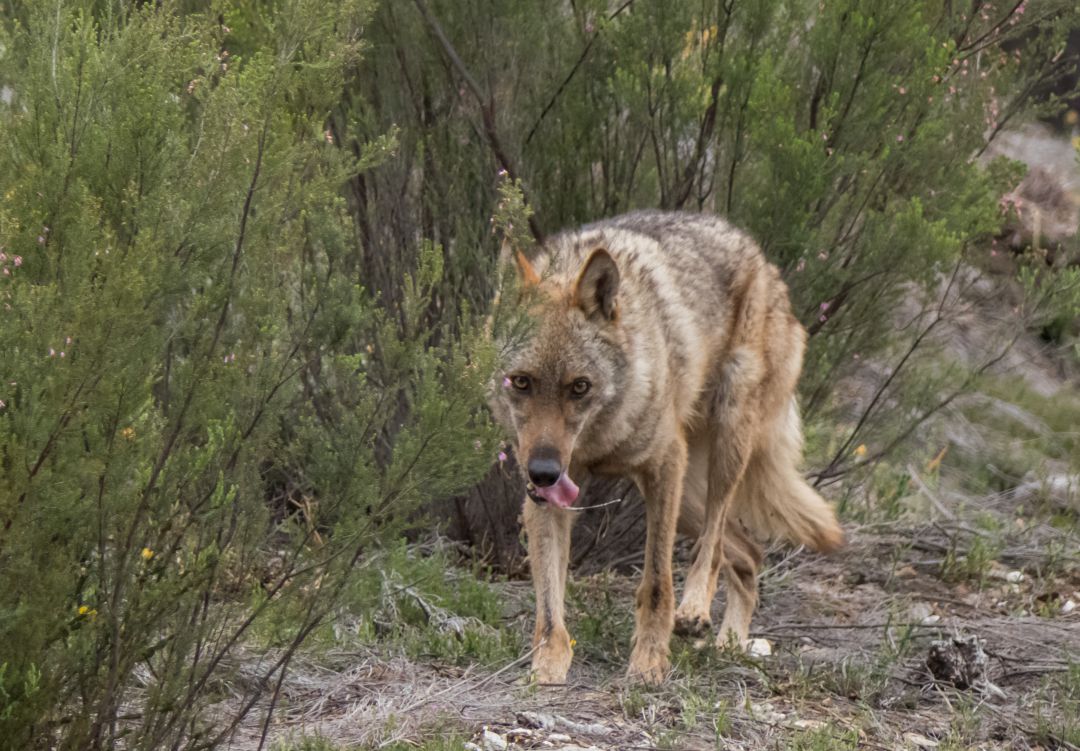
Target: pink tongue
{"points": [[563, 493]]}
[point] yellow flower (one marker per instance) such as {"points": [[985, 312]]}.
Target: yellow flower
{"points": [[860, 450], [83, 610], [573, 643], [128, 433], [87, 611], [147, 554]]}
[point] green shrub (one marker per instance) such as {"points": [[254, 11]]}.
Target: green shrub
{"points": [[185, 333], [844, 135]]}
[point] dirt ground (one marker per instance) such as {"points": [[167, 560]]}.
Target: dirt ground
{"points": [[849, 636]]}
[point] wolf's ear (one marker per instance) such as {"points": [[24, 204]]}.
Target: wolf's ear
{"points": [[597, 285], [528, 273]]}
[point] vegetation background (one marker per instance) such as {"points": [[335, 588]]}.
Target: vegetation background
{"points": [[247, 247]]}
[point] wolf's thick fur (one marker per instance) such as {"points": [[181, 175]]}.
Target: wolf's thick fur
{"points": [[665, 350]]}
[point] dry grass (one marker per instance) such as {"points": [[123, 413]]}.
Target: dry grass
{"points": [[850, 635]]}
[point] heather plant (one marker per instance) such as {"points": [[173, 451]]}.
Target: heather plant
{"points": [[208, 413]]}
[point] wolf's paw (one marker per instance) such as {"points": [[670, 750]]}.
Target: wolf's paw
{"points": [[649, 666], [552, 660], [550, 675], [692, 624]]}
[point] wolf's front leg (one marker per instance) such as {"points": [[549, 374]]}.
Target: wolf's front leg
{"points": [[661, 485], [548, 529]]}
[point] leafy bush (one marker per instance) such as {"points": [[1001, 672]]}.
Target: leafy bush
{"points": [[187, 331]]}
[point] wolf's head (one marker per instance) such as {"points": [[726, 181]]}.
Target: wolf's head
{"points": [[564, 376]]}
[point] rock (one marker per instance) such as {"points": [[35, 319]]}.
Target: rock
{"points": [[1068, 606], [759, 648], [920, 741], [766, 712], [919, 612], [492, 741]]}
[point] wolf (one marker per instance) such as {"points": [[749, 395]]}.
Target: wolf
{"points": [[664, 349]]}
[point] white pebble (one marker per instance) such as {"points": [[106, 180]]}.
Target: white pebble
{"points": [[493, 741], [759, 648]]}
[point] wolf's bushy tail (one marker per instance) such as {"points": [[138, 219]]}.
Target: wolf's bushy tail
{"points": [[773, 498]]}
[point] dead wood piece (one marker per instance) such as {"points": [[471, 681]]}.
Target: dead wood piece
{"points": [[960, 661]]}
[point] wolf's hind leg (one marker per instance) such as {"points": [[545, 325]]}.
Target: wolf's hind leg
{"points": [[742, 560], [731, 442], [548, 530]]}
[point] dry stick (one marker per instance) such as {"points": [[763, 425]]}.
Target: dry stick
{"points": [[880, 393], [486, 103]]}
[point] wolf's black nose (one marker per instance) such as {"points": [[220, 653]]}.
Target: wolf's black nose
{"points": [[544, 471]]}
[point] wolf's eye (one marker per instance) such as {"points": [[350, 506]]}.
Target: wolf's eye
{"points": [[520, 382], [580, 387]]}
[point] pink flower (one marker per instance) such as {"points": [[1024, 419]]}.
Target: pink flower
{"points": [[3, 256], [900, 138], [801, 264], [502, 456], [902, 90], [823, 319], [2, 404], [17, 260], [52, 352], [824, 306], [41, 239]]}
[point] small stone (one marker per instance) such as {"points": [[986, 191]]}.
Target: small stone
{"points": [[920, 741], [1014, 577], [492, 741], [559, 738], [919, 612], [759, 648], [1068, 606]]}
